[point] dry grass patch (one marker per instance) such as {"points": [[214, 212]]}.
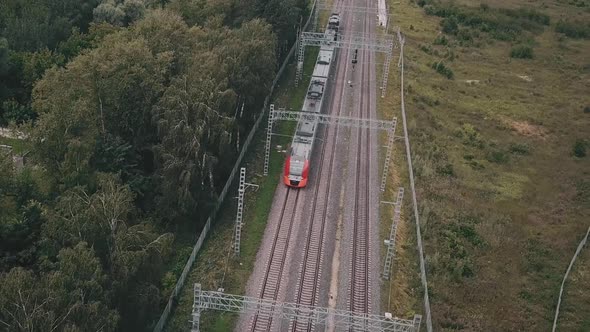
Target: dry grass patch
{"points": [[495, 166]]}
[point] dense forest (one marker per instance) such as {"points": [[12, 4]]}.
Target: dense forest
{"points": [[133, 112]]}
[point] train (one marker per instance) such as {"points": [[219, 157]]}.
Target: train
{"points": [[296, 172]]}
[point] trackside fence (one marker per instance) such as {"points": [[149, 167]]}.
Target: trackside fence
{"points": [[569, 268], [191, 260], [412, 187]]}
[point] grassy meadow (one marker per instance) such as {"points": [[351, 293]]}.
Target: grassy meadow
{"points": [[498, 105]]}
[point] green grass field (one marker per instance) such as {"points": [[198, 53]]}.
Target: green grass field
{"points": [[19, 146], [498, 165]]}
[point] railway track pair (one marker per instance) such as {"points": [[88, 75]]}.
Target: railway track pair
{"points": [[308, 283]]}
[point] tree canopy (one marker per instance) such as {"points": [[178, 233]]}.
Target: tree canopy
{"points": [[133, 115]]}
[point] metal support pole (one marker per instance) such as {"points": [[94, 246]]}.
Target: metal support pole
{"points": [[390, 243], [196, 308], [268, 139], [238, 228], [386, 70], [391, 138]]}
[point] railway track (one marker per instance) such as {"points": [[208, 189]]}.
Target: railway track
{"points": [[307, 292], [360, 281], [276, 264], [308, 287]]}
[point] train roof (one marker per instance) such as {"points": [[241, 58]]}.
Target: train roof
{"points": [[313, 104], [334, 18], [321, 70], [300, 149], [306, 128], [322, 67]]}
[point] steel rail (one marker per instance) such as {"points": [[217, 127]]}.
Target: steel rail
{"points": [[276, 262], [308, 285], [360, 281]]}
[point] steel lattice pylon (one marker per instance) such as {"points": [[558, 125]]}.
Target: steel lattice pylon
{"points": [[268, 139], [390, 139], [390, 243], [282, 114], [382, 43], [300, 59], [342, 319], [345, 121], [238, 228]]}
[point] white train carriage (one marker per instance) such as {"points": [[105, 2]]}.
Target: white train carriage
{"points": [[297, 164]]}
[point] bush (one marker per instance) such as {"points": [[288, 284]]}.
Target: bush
{"points": [[470, 136], [443, 70], [17, 113], [520, 148], [441, 40], [498, 157], [574, 29], [449, 25], [502, 24], [521, 52], [579, 149], [446, 170]]}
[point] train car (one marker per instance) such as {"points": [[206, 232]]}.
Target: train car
{"points": [[297, 165]]}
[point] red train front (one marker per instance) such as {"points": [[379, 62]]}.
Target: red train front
{"points": [[296, 171]]}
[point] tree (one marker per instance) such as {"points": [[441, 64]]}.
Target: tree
{"points": [[109, 90], [70, 298], [90, 217], [120, 12], [190, 121], [78, 289]]}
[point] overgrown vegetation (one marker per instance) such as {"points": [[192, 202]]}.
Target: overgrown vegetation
{"points": [[521, 52], [134, 118], [574, 29], [492, 149], [213, 267], [499, 23], [442, 69]]}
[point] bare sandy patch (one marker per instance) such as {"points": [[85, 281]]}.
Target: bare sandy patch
{"points": [[525, 128]]}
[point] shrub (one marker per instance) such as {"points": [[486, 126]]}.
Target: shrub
{"points": [[574, 29], [446, 170], [579, 149], [527, 14], [502, 24], [426, 49], [521, 52], [443, 70], [441, 40], [15, 112], [470, 136], [520, 148], [587, 109], [449, 25], [464, 35], [498, 157]]}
